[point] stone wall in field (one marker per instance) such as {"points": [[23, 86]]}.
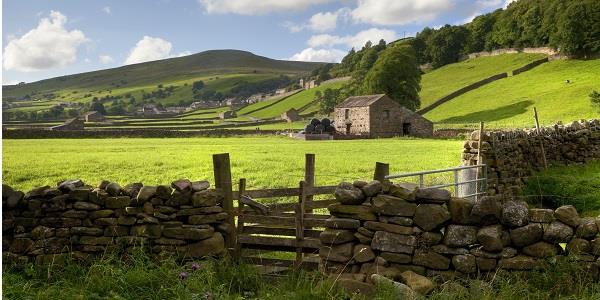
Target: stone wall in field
{"points": [[47, 224], [512, 156], [405, 233]]}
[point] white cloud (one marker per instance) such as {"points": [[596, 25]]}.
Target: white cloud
{"points": [[399, 12], [106, 10], [184, 53], [319, 55], [508, 2], [47, 46], [358, 40], [323, 21], [149, 48], [254, 7], [106, 59]]}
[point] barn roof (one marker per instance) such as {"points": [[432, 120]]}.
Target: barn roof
{"points": [[359, 101]]}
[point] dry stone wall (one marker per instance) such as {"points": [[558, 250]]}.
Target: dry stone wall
{"points": [[48, 224], [512, 156], [407, 234]]}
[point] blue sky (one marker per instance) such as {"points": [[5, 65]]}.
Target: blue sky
{"points": [[43, 38]]}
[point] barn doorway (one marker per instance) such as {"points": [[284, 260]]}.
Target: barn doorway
{"points": [[405, 128], [348, 128]]}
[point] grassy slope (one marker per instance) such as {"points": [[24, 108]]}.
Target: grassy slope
{"points": [[296, 101], [509, 102], [441, 82], [262, 160]]}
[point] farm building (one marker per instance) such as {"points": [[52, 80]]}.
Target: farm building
{"points": [[227, 115], [93, 116], [291, 115], [378, 116], [71, 124]]}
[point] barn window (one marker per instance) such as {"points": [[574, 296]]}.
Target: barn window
{"points": [[386, 114], [347, 113]]}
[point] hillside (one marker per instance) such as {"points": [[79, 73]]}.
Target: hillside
{"points": [[447, 79], [509, 102]]}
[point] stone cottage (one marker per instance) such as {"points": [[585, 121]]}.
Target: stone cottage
{"points": [[227, 115], [379, 116], [93, 116], [291, 115], [71, 124]]}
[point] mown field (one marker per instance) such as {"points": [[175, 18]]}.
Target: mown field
{"points": [[266, 162], [508, 103]]}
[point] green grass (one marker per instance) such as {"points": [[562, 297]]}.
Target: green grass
{"points": [[447, 79], [266, 162], [509, 103], [567, 185]]}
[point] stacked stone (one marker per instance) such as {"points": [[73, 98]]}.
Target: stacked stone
{"points": [[404, 233], [511, 156], [49, 223]]}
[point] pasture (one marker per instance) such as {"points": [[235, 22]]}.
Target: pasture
{"points": [[266, 162]]}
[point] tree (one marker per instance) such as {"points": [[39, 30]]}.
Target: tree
{"points": [[445, 45], [197, 85], [397, 74], [595, 99], [96, 105], [328, 100]]}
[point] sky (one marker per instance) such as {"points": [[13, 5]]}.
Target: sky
{"points": [[48, 38]]}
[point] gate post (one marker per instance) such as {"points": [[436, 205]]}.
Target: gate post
{"points": [[222, 172], [381, 170], [309, 176]]}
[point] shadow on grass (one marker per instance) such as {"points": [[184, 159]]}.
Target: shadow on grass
{"points": [[495, 114]]}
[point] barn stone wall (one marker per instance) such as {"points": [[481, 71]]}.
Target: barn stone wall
{"points": [[48, 224], [512, 156], [403, 232], [359, 116]]}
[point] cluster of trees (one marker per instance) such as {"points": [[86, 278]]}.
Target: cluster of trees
{"points": [[572, 26], [243, 89], [160, 93], [55, 112], [595, 99]]}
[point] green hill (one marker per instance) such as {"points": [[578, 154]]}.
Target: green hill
{"points": [[447, 79], [509, 102], [219, 69]]}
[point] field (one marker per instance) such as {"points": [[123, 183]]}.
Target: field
{"points": [[509, 102], [266, 162], [447, 79]]}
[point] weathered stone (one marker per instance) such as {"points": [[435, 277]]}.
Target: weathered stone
{"points": [[188, 233], [208, 247], [595, 245], [393, 206], [378, 226], [579, 246], [205, 198], [117, 202], [105, 221], [541, 249], [60, 222], [42, 232], [21, 245], [359, 183], [86, 206], [460, 235], [460, 211], [443, 249], [429, 238], [401, 290], [340, 223], [163, 192], [363, 239], [355, 287], [392, 242], [207, 219], [98, 196], [182, 185], [402, 191], [431, 216], [558, 232], [587, 228], [13, 198], [348, 194], [515, 213], [126, 220], [146, 193], [519, 262], [51, 259], [372, 188], [398, 258], [57, 203], [93, 240], [363, 253], [69, 185], [103, 184], [490, 237], [148, 208], [36, 192], [404, 221], [113, 189], [568, 215], [541, 215], [465, 263], [148, 230], [165, 241], [133, 210], [526, 235], [488, 210], [337, 253], [116, 231], [432, 195], [485, 264], [77, 214], [360, 212], [80, 194], [431, 260], [87, 231], [200, 185], [336, 236], [366, 232]]}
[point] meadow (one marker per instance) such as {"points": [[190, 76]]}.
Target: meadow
{"points": [[266, 162]]}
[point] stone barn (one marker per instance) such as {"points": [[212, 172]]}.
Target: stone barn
{"points": [[71, 124], [379, 116], [291, 115], [93, 116], [227, 115]]}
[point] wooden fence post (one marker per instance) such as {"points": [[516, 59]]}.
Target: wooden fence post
{"points": [[309, 175], [381, 170], [479, 160], [222, 172], [240, 211], [300, 209], [541, 138]]}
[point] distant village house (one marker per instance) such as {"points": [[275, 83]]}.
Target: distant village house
{"points": [[227, 115], [291, 115], [379, 116], [93, 116]]}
